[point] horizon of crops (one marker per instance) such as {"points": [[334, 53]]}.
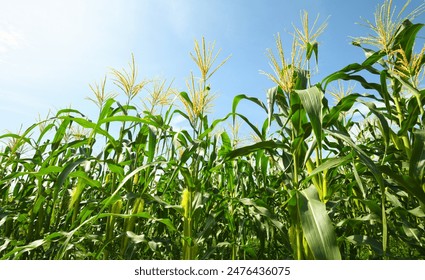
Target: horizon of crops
{"points": [[315, 182]]}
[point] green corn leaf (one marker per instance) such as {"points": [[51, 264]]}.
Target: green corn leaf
{"points": [[312, 101], [371, 59], [186, 98], [258, 208], [353, 222], [301, 81], [298, 115], [317, 226], [168, 223], [330, 163], [383, 121], [106, 109], [115, 168], [347, 73], [406, 37], [96, 129], [343, 105], [240, 97], [411, 120], [122, 119], [152, 145], [60, 133], [47, 170], [211, 128], [67, 170], [348, 77], [384, 92], [263, 145], [271, 99], [417, 161], [253, 127]]}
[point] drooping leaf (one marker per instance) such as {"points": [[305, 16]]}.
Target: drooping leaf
{"points": [[331, 163], [311, 99], [263, 145], [317, 226], [343, 105], [168, 223], [240, 97], [271, 99], [383, 121]]}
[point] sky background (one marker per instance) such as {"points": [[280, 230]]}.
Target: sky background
{"points": [[51, 51]]}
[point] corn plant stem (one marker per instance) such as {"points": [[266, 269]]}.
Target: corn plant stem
{"points": [[189, 248], [324, 186], [75, 210], [234, 251], [188, 230], [188, 253], [295, 162], [297, 222], [299, 237], [110, 221], [234, 246]]}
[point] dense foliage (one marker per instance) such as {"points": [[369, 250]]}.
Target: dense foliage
{"points": [[316, 182]]}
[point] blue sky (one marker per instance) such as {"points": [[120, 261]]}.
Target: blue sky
{"points": [[50, 51]]}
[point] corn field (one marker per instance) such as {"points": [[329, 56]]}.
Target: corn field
{"points": [[316, 181]]}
